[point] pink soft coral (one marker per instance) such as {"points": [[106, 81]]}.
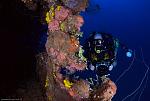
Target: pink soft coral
{"points": [[105, 92], [80, 90], [79, 22], [73, 23], [61, 14], [53, 25], [74, 64], [58, 57]]}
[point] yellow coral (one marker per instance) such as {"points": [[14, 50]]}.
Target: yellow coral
{"points": [[50, 14], [81, 51], [46, 82], [58, 8], [52, 8], [48, 18], [67, 83], [53, 14], [62, 26], [49, 98], [54, 75]]}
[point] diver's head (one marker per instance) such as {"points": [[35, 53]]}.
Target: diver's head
{"points": [[97, 42]]}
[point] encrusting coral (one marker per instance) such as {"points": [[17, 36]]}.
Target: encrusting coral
{"points": [[64, 22]]}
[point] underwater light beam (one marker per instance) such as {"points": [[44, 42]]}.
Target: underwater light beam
{"points": [[139, 98], [126, 70], [141, 92], [146, 74]]}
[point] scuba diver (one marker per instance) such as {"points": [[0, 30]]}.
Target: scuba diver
{"points": [[100, 50]]}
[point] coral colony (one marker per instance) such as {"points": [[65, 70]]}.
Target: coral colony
{"points": [[63, 51]]}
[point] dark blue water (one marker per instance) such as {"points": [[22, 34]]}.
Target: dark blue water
{"points": [[129, 21]]}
